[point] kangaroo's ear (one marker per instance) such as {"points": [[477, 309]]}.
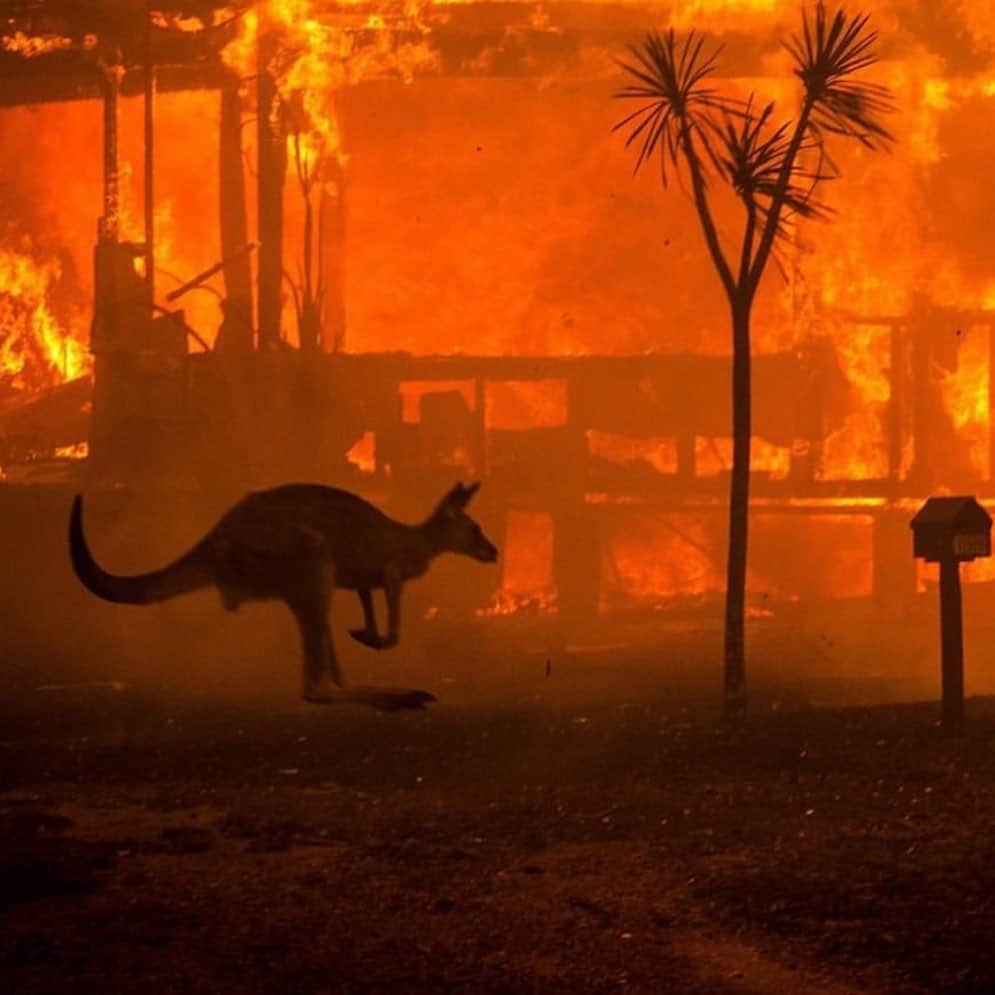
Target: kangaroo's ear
{"points": [[459, 497]]}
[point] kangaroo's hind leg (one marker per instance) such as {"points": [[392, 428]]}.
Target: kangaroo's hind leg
{"points": [[310, 599], [309, 596], [321, 678]]}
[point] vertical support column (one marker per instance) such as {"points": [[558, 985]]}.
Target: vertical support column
{"points": [[991, 402], [331, 257], [109, 227], [896, 403], [480, 423], [686, 459], [104, 326], [952, 645], [272, 152], [923, 428], [576, 545], [238, 331], [149, 108]]}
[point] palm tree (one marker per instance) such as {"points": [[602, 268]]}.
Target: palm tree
{"points": [[774, 170]]}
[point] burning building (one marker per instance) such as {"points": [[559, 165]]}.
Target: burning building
{"points": [[383, 245]]}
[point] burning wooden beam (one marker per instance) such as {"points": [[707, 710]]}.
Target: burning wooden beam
{"points": [[472, 39]]}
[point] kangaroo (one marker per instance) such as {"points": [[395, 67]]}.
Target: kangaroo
{"points": [[297, 544]]}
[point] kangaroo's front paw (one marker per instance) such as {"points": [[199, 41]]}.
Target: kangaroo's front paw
{"points": [[372, 639]]}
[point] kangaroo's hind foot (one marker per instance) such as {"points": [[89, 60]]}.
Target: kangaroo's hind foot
{"points": [[382, 699], [390, 699]]}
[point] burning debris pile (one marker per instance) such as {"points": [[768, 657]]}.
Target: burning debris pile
{"points": [[365, 180], [37, 350], [38, 354]]}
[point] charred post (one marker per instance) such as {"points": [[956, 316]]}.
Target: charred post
{"points": [[109, 225], [952, 645], [272, 153], [149, 124], [331, 258], [238, 331]]}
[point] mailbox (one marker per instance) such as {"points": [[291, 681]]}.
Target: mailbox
{"points": [[954, 529], [951, 531]]}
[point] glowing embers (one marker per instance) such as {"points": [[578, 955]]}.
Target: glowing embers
{"points": [[676, 560], [515, 405], [527, 583], [169, 21], [31, 46], [81, 450]]}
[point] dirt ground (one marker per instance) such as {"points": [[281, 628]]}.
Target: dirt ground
{"points": [[574, 833]]}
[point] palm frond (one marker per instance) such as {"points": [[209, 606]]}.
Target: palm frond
{"points": [[670, 78], [828, 53], [751, 154]]}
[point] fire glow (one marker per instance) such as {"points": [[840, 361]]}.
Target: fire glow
{"points": [[36, 351], [490, 212]]}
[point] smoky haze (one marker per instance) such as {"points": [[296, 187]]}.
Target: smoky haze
{"points": [[492, 212]]}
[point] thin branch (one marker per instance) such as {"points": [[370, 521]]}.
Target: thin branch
{"points": [[707, 221], [778, 197]]}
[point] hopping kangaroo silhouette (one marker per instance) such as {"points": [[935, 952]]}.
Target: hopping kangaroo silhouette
{"points": [[297, 544]]}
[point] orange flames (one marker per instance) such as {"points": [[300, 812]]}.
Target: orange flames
{"points": [[35, 350], [967, 398], [312, 58], [32, 46], [495, 214]]}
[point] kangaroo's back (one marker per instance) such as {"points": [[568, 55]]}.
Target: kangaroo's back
{"points": [[359, 538], [330, 510]]}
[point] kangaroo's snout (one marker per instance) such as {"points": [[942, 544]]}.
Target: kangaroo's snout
{"points": [[486, 552]]}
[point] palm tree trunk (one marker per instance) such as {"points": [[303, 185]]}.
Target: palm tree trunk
{"points": [[734, 700]]}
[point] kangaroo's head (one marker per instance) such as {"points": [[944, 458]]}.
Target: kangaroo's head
{"points": [[454, 531]]}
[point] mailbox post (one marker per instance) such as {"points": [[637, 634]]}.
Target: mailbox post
{"points": [[951, 531]]}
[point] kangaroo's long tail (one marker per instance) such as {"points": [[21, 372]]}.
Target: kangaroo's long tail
{"points": [[189, 573]]}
